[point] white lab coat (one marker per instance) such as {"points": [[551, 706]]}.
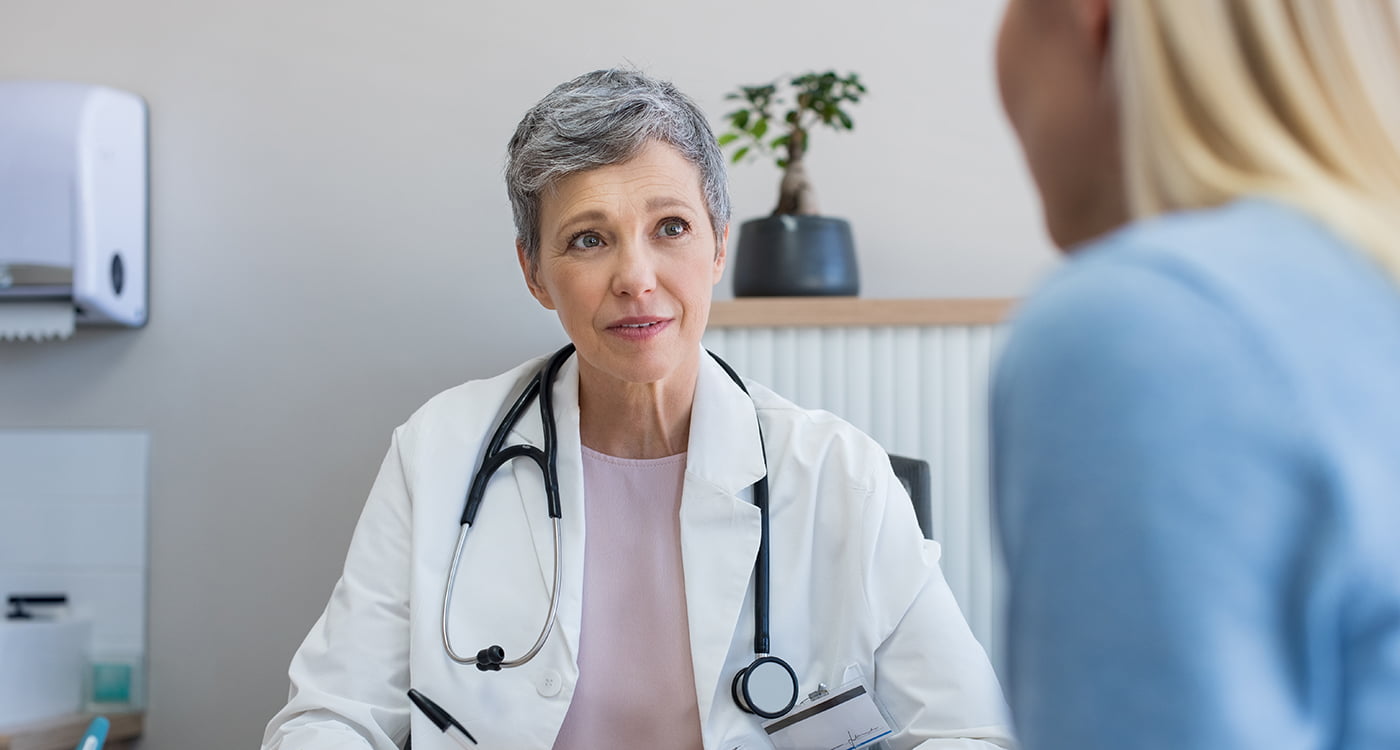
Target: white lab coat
{"points": [[853, 581]]}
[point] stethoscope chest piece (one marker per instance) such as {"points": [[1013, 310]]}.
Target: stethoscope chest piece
{"points": [[767, 687]]}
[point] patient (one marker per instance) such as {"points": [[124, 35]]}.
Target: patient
{"points": [[1197, 420]]}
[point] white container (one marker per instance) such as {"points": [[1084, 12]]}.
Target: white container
{"points": [[41, 668]]}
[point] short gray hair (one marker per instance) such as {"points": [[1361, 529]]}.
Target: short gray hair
{"points": [[603, 118]]}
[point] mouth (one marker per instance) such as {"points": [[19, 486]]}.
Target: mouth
{"points": [[639, 328]]}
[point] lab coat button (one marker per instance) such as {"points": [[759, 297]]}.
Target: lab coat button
{"points": [[549, 683]]}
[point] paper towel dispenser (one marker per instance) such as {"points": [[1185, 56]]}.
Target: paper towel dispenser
{"points": [[73, 200]]}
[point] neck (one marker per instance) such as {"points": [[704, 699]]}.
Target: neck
{"points": [[635, 420]]}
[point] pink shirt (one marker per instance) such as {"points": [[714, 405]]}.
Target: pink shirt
{"points": [[636, 686]]}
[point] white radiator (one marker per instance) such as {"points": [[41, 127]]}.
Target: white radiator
{"points": [[921, 391]]}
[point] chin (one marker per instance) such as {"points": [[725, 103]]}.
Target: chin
{"points": [[635, 369]]}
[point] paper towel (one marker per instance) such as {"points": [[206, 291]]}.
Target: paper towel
{"points": [[35, 321]]}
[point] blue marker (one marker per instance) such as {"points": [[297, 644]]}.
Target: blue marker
{"points": [[96, 734]]}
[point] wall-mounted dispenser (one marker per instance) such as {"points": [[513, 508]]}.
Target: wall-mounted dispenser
{"points": [[73, 208]]}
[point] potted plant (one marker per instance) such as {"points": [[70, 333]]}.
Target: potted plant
{"points": [[795, 251]]}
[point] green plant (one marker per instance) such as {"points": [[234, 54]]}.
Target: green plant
{"points": [[817, 99]]}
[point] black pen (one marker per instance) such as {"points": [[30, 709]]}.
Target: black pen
{"points": [[441, 719]]}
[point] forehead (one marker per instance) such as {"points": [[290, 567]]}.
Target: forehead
{"points": [[657, 175]]}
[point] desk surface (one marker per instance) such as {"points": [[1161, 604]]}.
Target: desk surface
{"points": [[64, 732]]}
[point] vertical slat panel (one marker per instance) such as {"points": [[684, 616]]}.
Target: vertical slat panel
{"points": [[811, 362], [931, 426], [726, 342], [956, 472], [858, 391], [979, 533], [837, 386], [879, 369], [760, 355], [920, 391], [785, 372], [907, 392]]}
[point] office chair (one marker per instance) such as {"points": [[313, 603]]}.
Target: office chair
{"points": [[914, 474]]}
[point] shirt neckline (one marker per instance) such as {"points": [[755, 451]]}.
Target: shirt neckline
{"points": [[635, 462]]}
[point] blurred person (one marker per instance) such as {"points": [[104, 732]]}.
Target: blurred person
{"points": [[1196, 420]]}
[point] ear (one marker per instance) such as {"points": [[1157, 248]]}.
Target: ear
{"points": [[537, 290], [721, 253], [1095, 21]]}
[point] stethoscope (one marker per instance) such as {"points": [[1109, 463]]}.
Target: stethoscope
{"points": [[766, 687]]}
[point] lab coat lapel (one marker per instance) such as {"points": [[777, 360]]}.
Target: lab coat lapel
{"points": [[720, 526], [534, 504]]}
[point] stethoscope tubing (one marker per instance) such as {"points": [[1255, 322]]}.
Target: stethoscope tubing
{"points": [[549, 619], [540, 386], [760, 499], [496, 457]]}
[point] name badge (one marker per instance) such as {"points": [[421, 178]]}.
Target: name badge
{"points": [[845, 718]]}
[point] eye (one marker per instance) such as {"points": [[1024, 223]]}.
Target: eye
{"points": [[585, 241], [674, 227]]}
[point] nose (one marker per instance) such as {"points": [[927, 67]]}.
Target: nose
{"points": [[634, 272]]}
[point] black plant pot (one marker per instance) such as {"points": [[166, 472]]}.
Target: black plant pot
{"points": [[795, 256]]}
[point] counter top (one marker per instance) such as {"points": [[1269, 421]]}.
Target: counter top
{"points": [[764, 312], [63, 733]]}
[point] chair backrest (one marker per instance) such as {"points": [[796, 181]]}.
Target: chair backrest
{"points": [[914, 474]]}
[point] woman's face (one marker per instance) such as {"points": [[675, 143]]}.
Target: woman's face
{"points": [[1053, 71], [629, 261]]}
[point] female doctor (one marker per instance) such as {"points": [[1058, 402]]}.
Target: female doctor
{"points": [[633, 619]]}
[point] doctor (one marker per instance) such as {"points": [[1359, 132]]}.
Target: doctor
{"points": [[622, 210]]}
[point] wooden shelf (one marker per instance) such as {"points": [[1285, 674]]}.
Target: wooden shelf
{"points": [[63, 733], [766, 312]]}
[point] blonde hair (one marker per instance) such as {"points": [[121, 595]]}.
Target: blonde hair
{"points": [[1294, 99]]}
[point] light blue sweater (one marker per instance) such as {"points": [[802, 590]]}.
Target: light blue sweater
{"points": [[1197, 479]]}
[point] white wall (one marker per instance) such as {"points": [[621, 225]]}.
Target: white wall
{"points": [[73, 521], [331, 245]]}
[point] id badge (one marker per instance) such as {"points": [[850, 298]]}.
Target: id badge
{"points": [[847, 717]]}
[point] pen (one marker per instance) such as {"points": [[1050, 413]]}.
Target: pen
{"points": [[96, 734], [441, 719]]}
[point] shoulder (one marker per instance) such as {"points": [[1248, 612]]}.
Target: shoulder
{"points": [[470, 403], [1189, 290], [1254, 258], [1254, 280], [836, 483], [819, 438], [1162, 340], [1158, 355]]}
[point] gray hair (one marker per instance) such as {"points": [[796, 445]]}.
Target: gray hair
{"points": [[603, 118]]}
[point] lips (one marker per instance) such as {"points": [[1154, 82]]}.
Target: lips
{"points": [[638, 322], [639, 327]]}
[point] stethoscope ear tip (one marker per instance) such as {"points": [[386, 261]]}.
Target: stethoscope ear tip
{"points": [[489, 659]]}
